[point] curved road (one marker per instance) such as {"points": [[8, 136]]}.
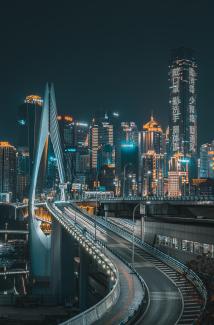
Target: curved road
{"points": [[165, 305], [131, 288]]}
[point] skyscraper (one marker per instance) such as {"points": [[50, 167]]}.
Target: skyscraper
{"points": [[74, 136], [152, 159], [22, 173], [8, 169], [94, 145], [178, 176], [152, 137], [206, 165], [105, 146], [66, 127], [182, 102], [29, 115], [101, 134], [129, 162]]}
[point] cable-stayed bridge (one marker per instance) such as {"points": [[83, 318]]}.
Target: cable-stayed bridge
{"points": [[143, 286]]}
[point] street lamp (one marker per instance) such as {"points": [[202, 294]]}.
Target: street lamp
{"points": [[95, 219], [148, 182], [124, 177], [133, 232]]}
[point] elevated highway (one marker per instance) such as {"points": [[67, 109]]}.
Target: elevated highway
{"points": [[174, 297], [183, 200], [125, 298]]}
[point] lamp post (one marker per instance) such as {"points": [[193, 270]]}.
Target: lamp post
{"points": [[95, 221], [133, 232], [148, 182], [124, 177]]}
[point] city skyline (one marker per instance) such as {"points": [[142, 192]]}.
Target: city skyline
{"points": [[107, 162], [107, 57]]}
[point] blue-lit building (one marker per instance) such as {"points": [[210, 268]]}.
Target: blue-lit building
{"points": [[129, 168], [206, 161], [74, 136], [29, 115]]}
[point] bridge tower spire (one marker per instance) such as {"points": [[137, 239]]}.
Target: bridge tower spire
{"points": [[49, 129]]}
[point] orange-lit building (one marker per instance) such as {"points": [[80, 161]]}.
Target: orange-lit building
{"points": [[8, 169], [178, 176], [152, 137], [152, 159]]}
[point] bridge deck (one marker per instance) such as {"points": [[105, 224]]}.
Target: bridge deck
{"points": [[164, 295], [131, 289], [131, 294], [165, 298]]}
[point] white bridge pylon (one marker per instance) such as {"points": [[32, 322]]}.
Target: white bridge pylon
{"points": [[49, 129]]}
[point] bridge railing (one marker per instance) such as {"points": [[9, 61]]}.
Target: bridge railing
{"points": [[97, 311], [133, 313], [172, 262], [94, 313], [195, 198]]}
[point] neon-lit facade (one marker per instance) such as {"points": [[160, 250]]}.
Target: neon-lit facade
{"points": [[34, 99], [178, 176], [182, 102], [7, 169], [152, 159], [206, 167]]}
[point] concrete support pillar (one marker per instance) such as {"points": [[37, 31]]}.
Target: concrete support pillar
{"points": [[68, 289], [83, 279], [39, 250], [56, 259], [62, 264]]}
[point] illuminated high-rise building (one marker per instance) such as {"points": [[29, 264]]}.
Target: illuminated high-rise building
{"points": [[182, 102], [129, 132], [152, 159], [206, 161], [101, 134], [8, 172], [29, 115], [94, 144], [74, 135], [66, 128], [152, 137], [153, 174], [22, 173], [178, 176], [105, 145], [129, 167], [81, 131]]}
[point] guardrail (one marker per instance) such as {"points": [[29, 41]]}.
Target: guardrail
{"points": [[172, 262], [140, 307], [202, 198], [94, 313], [134, 313], [97, 311]]}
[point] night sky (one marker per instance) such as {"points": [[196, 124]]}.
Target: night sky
{"points": [[103, 55]]}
